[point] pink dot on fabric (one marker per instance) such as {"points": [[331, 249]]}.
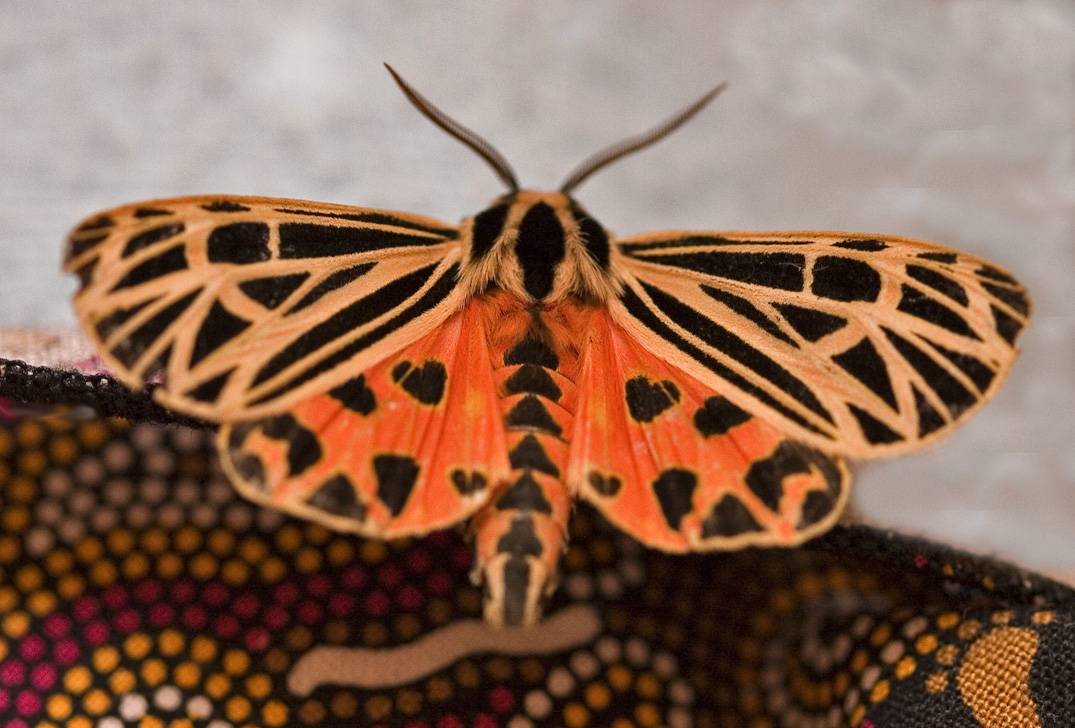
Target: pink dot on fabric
{"points": [[149, 590], [84, 608], [340, 605], [868, 724], [127, 620], [32, 648], [419, 561], [5, 700], [115, 597], [96, 633], [257, 639], [484, 720], [215, 593], [377, 603], [354, 578], [409, 597], [12, 673], [57, 625], [276, 617], [501, 699], [319, 585], [246, 606], [160, 615], [65, 652], [920, 561], [27, 702], [226, 626], [449, 721], [195, 616], [18, 723], [389, 575], [183, 591], [43, 677], [460, 559], [286, 593], [439, 582], [309, 612]]}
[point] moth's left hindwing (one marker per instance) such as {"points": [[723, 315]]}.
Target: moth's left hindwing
{"points": [[857, 345], [248, 305]]}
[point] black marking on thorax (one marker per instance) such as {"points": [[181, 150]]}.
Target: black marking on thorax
{"points": [[539, 249]]}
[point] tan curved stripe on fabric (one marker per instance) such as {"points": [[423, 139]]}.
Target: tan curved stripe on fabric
{"points": [[381, 668], [994, 678]]}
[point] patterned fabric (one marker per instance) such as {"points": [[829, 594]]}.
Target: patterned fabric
{"points": [[137, 589]]}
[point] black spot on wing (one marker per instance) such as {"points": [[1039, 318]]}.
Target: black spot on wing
{"points": [[521, 539], [1013, 298], [533, 379], [748, 310], [468, 483], [988, 271], [702, 241], [97, 223], [918, 304], [1005, 325], [539, 249], [765, 478], [147, 238], [77, 247], [218, 327], [725, 341], [224, 206], [271, 291], [209, 390], [396, 476], [529, 453], [606, 485], [875, 431], [423, 383], [151, 212], [643, 313], [593, 235], [717, 415], [646, 399], [939, 257], [975, 368], [729, 517], [772, 270], [347, 319], [303, 449], [310, 240], [939, 282], [845, 279], [388, 297], [869, 246], [532, 351], [929, 419], [530, 412], [172, 260], [864, 363], [524, 495], [809, 323], [488, 224], [338, 496], [129, 349], [955, 396], [816, 505], [331, 282], [241, 243], [355, 395], [674, 489]]}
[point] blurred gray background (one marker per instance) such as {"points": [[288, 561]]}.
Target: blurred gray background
{"points": [[950, 121]]}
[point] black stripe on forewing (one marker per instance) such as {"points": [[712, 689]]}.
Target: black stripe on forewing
{"points": [[172, 260], [433, 296], [147, 238], [642, 313], [310, 240], [748, 310], [218, 327], [955, 396], [377, 218], [699, 241], [918, 304], [736, 348], [864, 363], [939, 282], [271, 291], [772, 270], [331, 283], [131, 347]]}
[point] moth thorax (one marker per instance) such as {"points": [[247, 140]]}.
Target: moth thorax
{"points": [[540, 247]]}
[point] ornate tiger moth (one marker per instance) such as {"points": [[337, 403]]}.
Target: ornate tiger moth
{"points": [[389, 374]]}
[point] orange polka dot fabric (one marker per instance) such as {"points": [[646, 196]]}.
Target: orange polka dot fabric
{"points": [[137, 589]]}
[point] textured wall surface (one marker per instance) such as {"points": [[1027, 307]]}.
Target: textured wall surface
{"points": [[950, 121]]}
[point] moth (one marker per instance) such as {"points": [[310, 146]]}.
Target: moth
{"points": [[389, 374]]}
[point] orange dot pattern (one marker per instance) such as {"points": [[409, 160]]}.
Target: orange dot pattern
{"points": [[137, 589]]}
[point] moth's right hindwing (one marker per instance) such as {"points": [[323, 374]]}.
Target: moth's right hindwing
{"points": [[247, 305]]}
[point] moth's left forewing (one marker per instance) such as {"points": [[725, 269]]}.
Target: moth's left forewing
{"points": [[858, 344]]}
